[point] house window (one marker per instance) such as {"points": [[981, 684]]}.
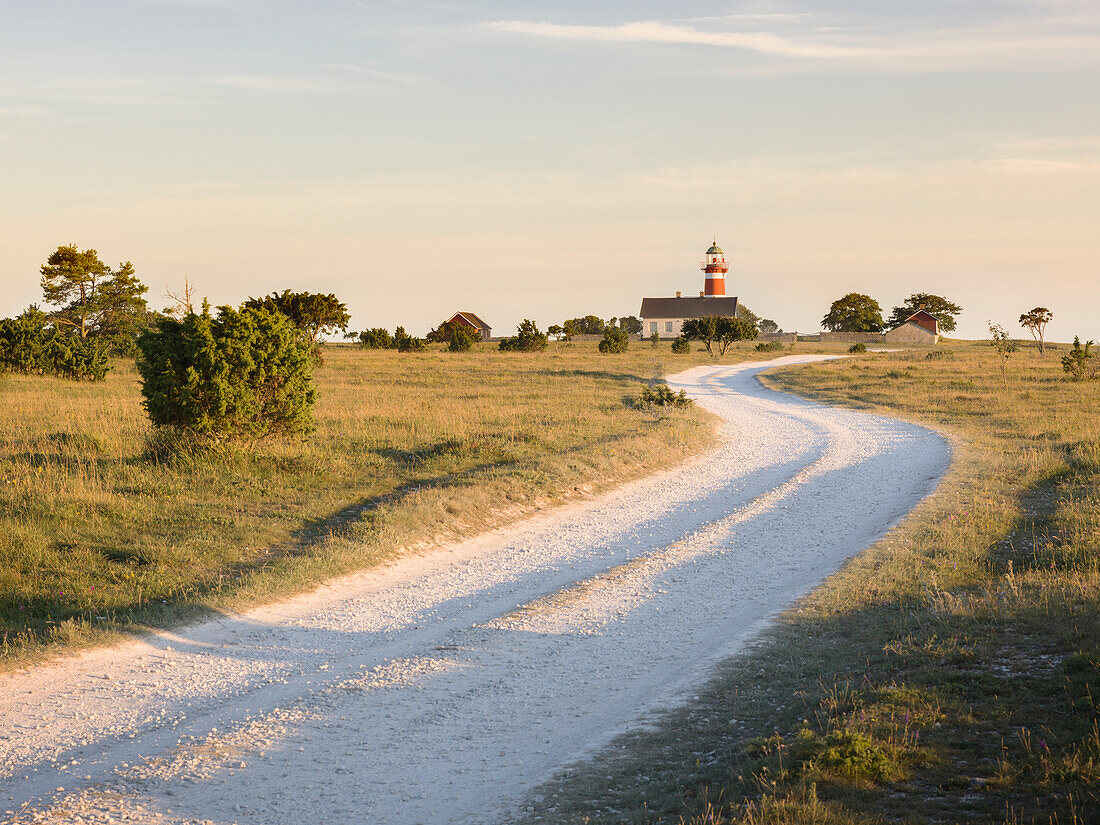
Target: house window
{"points": [[668, 326], [652, 326]]}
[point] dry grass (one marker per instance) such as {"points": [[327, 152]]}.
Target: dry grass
{"points": [[951, 673], [105, 529]]}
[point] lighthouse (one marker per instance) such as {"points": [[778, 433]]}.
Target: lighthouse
{"points": [[664, 317], [716, 267]]}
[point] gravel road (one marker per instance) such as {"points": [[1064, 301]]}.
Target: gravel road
{"points": [[443, 688]]}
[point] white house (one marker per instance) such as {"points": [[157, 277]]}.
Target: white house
{"points": [[666, 316]]}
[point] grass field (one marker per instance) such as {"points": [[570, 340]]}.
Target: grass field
{"points": [[950, 674], [101, 531]]}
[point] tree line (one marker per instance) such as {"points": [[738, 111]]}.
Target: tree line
{"points": [[246, 372], [856, 312]]}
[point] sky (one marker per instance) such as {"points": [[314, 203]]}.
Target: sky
{"points": [[547, 160]]}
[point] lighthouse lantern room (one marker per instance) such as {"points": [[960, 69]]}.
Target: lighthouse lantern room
{"points": [[715, 266]]}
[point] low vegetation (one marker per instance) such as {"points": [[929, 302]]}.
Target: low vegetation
{"points": [[106, 526], [528, 338], [380, 338], [238, 374], [462, 339], [1081, 363], [662, 396], [614, 340], [951, 673], [314, 313], [30, 346]]}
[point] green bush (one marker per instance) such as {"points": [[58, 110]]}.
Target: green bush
{"points": [[462, 339], [614, 340], [1078, 364], [244, 373], [857, 348], [379, 338], [769, 346], [681, 345], [662, 396], [527, 339], [375, 338], [403, 342], [847, 752], [655, 340], [28, 346]]}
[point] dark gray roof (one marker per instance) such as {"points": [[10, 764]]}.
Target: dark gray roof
{"points": [[687, 307]]}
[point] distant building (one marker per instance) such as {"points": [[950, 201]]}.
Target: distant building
{"points": [[666, 316], [468, 319], [921, 327]]}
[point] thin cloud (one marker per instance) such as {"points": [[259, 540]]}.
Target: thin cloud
{"points": [[1012, 43], [656, 32]]}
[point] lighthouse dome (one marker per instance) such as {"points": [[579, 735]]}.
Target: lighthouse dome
{"points": [[715, 249]]}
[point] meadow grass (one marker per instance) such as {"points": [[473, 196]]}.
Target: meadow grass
{"points": [[950, 673], [106, 526]]}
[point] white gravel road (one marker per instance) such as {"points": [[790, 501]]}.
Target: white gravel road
{"points": [[443, 688]]}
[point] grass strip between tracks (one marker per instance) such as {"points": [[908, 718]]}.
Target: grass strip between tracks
{"points": [[950, 673]]}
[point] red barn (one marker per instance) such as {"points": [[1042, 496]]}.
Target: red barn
{"points": [[468, 319]]}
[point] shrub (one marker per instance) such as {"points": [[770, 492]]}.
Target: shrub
{"points": [[242, 373], [847, 752], [681, 345], [769, 346], [72, 357], [857, 348], [527, 339], [462, 339], [614, 340], [655, 340], [443, 333], [376, 338], [28, 346], [403, 342], [312, 312], [662, 396], [1078, 364]]}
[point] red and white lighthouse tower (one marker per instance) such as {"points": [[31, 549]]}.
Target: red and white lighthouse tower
{"points": [[716, 268]]}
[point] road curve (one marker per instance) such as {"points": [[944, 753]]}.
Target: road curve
{"points": [[444, 688]]}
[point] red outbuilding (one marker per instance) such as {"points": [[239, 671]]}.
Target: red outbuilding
{"points": [[468, 319]]}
